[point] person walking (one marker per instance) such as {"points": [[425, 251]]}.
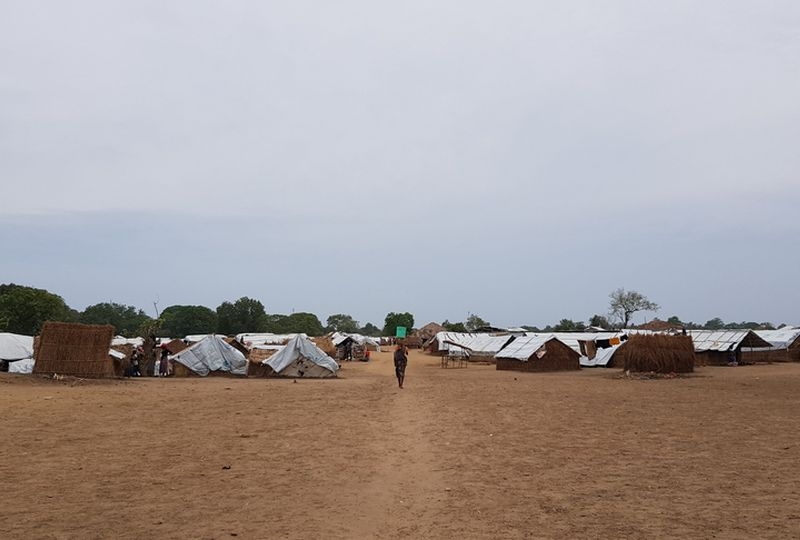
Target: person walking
{"points": [[400, 363], [163, 365]]}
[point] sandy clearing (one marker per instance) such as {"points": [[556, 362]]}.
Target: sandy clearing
{"points": [[472, 453]]}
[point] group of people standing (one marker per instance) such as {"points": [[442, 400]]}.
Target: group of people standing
{"points": [[137, 359]]}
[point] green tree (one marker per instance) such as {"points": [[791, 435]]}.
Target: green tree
{"points": [[181, 321], [393, 320], [296, 323], [599, 321], [371, 330], [568, 325], [23, 309], [244, 315], [454, 327], [275, 323], [625, 303], [342, 323], [126, 320], [675, 320], [474, 322], [714, 324]]}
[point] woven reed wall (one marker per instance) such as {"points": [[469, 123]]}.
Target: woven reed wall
{"points": [[79, 350], [659, 353]]}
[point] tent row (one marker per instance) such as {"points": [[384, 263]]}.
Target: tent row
{"points": [[527, 351], [85, 351]]}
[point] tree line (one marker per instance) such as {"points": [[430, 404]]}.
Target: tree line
{"points": [[24, 309]]}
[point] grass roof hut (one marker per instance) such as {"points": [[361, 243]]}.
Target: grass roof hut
{"points": [[79, 350], [538, 353], [658, 353]]}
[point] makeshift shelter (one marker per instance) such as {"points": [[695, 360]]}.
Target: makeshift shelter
{"points": [[718, 347], [356, 344], [80, 350], [539, 353], [785, 345], [15, 350], [301, 358], [211, 355], [480, 346], [659, 353], [255, 360], [601, 357]]}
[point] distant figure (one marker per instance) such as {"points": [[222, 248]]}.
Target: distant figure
{"points": [[400, 363], [348, 351], [732, 359], [366, 354], [136, 358], [163, 365]]}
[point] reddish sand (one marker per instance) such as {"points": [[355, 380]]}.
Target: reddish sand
{"points": [[458, 453]]}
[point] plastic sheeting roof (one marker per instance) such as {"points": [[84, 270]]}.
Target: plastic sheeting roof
{"points": [[781, 338], [338, 337], [24, 366], [120, 340], [477, 343], [573, 339], [116, 354], [15, 346], [265, 338], [523, 348], [602, 357], [212, 354], [300, 346], [720, 340]]}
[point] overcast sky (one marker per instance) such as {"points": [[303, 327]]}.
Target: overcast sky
{"points": [[518, 159]]}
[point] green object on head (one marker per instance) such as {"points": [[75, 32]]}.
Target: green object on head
{"points": [[400, 331]]}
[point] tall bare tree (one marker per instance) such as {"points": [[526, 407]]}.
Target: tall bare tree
{"points": [[625, 303]]}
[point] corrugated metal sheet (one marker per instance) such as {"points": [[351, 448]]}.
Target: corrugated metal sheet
{"points": [[718, 340]]}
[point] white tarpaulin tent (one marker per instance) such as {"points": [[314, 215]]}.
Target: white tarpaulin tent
{"points": [[781, 338], [15, 347], [212, 354], [301, 358], [22, 366]]}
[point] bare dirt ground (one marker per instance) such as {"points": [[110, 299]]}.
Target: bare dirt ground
{"points": [[458, 453]]}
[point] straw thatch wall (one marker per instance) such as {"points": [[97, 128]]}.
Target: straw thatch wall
{"points": [[254, 366], [325, 343], [79, 350], [558, 357], [179, 370], [659, 353], [715, 358], [793, 352], [238, 345], [174, 347], [766, 356]]}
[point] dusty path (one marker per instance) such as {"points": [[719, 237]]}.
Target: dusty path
{"points": [[404, 497], [461, 453]]}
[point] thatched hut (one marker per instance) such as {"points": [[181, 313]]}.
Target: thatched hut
{"points": [[538, 353], [80, 350], [659, 353], [720, 347]]}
